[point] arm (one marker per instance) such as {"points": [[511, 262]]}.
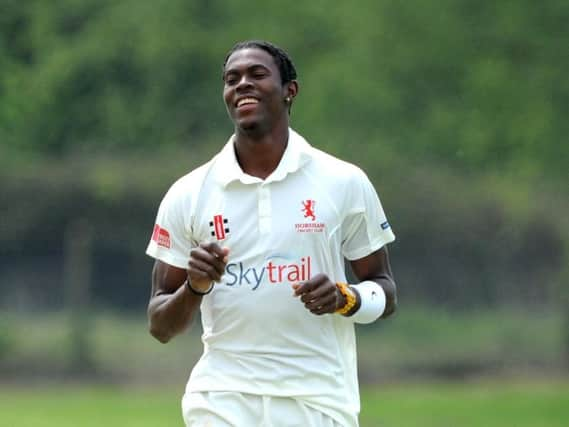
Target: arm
{"points": [[320, 295], [172, 305]]}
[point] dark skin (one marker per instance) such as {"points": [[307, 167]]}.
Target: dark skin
{"points": [[258, 103]]}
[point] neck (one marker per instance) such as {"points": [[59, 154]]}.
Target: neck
{"points": [[259, 154]]}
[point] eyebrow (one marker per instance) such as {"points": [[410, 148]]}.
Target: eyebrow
{"points": [[251, 67]]}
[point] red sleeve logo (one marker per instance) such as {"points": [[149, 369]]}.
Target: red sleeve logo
{"points": [[161, 236]]}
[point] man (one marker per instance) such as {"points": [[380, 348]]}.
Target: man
{"points": [[256, 238]]}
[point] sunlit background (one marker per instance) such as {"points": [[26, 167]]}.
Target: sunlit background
{"points": [[458, 110]]}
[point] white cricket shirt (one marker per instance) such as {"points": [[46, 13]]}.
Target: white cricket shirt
{"points": [[303, 219]]}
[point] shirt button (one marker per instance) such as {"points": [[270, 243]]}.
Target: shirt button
{"points": [[264, 201]]}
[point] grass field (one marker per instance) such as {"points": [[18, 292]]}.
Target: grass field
{"points": [[429, 405]]}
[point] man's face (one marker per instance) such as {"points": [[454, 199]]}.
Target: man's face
{"points": [[253, 92]]}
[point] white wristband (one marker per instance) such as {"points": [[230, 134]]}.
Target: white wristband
{"points": [[372, 306]]}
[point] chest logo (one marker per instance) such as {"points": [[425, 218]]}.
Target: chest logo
{"points": [[308, 209], [311, 225], [219, 227]]}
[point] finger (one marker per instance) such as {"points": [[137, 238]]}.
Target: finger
{"points": [[225, 257], [214, 268], [200, 266], [309, 285], [323, 309], [327, 309], [209, 258], [217, 251], [214, 249], [295, 286], [329, 301], [324, 290]]}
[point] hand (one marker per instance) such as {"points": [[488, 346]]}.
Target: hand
{"points": [[206, 265], [320, 295]]}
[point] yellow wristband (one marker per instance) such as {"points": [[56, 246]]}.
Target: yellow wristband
{"points": [[350, 298]]}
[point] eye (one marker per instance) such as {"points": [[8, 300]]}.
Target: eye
{"points": [[230, 79]]}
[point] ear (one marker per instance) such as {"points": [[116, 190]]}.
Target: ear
{"points": [[291, 89]]}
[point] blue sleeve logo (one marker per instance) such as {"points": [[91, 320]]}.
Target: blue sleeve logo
{"points": [[385, 225]]}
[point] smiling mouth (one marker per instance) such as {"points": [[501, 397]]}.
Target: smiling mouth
{"points": [[246, 101]]}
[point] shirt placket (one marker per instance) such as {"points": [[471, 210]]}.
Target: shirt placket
{"points": [[264, 208]]}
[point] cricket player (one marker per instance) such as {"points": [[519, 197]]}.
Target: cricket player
{"points": [[256, 239]]}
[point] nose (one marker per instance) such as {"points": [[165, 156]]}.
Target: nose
{"points": [[244, 83]]}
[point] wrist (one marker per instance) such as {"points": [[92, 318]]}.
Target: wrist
{"points": [[198, 290], [372, 302], [348, 299], [358, 303]]}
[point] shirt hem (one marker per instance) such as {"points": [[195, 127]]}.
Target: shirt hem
{"points": [[167, 258], [345, 418]]}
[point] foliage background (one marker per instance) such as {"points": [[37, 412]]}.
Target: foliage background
{"points": [[457, 110]]}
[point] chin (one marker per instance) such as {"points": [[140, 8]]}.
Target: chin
{"points": [[248, 125]]}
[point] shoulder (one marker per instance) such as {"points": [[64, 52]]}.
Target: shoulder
{"points": [[335, 169], [185, 187], [192, 179], [323, 165]]}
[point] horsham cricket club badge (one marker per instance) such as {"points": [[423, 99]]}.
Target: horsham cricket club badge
{"points": [[219, 227], [308, 209], [310, 224]]}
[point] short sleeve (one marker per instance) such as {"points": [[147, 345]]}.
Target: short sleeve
{"points": [[171, 238], [365, 227]]}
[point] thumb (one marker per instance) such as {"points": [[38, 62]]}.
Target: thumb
{"points": [[295, 287], [225, 254]]}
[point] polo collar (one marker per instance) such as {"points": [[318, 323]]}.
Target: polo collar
{"points": [[227, 169]]}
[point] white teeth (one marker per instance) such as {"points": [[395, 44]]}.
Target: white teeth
{"points": [[247, 101]]}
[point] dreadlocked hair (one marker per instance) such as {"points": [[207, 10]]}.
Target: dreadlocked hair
{"points": [[281, 58]]}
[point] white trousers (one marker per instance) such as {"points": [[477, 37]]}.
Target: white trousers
{"points": [[232, 409]]}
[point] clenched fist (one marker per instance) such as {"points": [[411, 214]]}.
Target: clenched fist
{"points": [[206, 265], [320, 295]]}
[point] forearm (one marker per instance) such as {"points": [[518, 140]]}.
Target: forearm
{"points": [[171, 314]]}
